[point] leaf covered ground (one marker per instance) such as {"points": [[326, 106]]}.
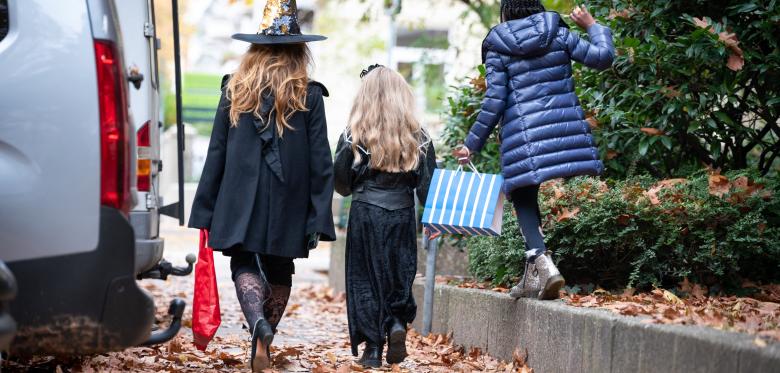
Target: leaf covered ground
{"points": [[312, 338]]}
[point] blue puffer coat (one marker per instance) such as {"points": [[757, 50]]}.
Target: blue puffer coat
{"points": [[529, 83]]}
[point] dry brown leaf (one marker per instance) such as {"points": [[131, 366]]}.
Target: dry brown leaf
{"points": [[703, 23], [718, 184], [670, 92], [736, 62], [566, 214], [731, 41], [652, 131], [652, 193], [624, 14], [479, 84]]}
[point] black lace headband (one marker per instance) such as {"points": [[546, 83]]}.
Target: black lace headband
{"points": [[368, 70]]}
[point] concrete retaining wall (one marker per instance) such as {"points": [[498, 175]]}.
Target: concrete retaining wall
{"points": [[563, 339]]}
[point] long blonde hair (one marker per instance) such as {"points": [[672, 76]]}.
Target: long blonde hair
{"points": [[383, 122], [281, 70]]}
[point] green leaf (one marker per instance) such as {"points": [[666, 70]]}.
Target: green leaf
{"points": [[667, 142], [724, 117], [644, 144], [744, 8]]}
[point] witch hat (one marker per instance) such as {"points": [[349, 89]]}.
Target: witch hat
{"points": [[279, 26]]}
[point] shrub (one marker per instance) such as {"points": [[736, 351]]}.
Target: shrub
{"points": [[712, 229], [463, 106], [695, 82]]}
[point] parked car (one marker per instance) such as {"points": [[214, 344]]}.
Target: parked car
{"points": [[79, 158]]}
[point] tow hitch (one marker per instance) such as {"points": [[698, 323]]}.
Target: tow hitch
{"points": [[176, 310], [165, 268]]}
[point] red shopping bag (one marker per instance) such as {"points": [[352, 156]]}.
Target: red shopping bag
{"points": [[205, 303]]}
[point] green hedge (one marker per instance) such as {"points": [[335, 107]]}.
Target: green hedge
{"points": [[711, 229]]}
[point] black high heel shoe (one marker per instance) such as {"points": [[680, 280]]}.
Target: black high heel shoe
{"points": [[372, 356], [262, 336], [396, 343]]}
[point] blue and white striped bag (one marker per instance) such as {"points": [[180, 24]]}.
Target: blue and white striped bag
{"points": [[468, 203]]}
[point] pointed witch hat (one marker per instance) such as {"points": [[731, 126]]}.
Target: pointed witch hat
{"points": [[279, 26]]}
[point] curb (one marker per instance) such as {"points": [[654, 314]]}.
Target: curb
{"points": [[561, 338]]}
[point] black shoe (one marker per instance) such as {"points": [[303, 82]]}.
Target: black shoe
{"points": [[396, 343], [372, 356], [262, 336]]}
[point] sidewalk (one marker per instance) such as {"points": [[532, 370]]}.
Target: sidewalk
{"points": [[313, 336]]}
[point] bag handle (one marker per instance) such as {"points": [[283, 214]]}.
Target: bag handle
{"points": [[472, 167]]}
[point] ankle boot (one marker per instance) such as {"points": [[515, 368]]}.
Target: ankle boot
{"points": [[550, 278], [372, 356], [396, 343], [262, 336], [529, 283]]}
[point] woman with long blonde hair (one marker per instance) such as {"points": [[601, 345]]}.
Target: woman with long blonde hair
{"points": [[382, 159], [266, 188]]}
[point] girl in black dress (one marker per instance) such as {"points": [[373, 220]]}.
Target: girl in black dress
{"points": [[382, 158], [266, 188]]}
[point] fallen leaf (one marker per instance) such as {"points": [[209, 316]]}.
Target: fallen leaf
{"points": [[670, 92], [718, 184], [611, 154], [669, 296], [652, 131], [652, 193], [566, 214], [736, 62], [731, 41], [624, 14]]}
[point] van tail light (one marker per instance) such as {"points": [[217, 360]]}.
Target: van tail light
{"points": [[114, 128], [144, 171]]}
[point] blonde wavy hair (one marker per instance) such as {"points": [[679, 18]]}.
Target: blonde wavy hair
{"points": [[282, 70], [383, 122]]}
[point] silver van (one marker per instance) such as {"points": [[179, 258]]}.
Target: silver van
{"points": [[79, 160]]}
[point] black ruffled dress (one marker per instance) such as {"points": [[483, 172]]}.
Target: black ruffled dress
{"points": [[381, 251]]}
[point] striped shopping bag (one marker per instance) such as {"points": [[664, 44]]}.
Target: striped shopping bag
{"points": [[468, 203]]}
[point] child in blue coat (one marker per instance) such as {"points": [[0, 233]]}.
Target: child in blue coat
{"points": [[544, 134]]}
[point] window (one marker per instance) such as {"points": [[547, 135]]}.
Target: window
{"points": [[3, 18]]}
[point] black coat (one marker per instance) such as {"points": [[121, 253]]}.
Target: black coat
{"points": [[262, 193]]}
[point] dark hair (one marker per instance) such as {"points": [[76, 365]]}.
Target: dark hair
{"points": [[517, 9]]}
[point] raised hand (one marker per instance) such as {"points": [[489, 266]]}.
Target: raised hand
{"points": [[582, 17]]}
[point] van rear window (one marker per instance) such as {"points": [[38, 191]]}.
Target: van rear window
{"points": [[3, 18]]}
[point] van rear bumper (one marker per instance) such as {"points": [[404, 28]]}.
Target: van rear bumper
{"points": [[83, 303]]}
